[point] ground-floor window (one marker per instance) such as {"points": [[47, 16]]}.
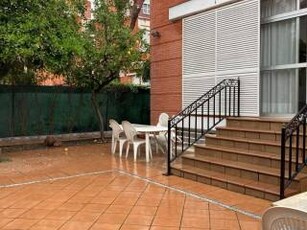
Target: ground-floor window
{"points": [[283, 56]]}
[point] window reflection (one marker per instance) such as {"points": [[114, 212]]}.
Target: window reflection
{"points": [[303, 39], [303, 4], [302, 88], [273, 7]]}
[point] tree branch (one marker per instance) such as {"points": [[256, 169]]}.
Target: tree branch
{"points": [[134, 12]]}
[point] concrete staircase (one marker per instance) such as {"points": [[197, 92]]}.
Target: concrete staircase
{"points": [[243, 156]]}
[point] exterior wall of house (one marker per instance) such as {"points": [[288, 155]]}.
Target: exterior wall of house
{"points": [[202, 42], [166, 60]]}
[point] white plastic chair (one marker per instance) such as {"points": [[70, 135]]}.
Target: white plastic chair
{"points": [[283, 218], [163, 120], [161, 139], [132, 138], [117, 136]]}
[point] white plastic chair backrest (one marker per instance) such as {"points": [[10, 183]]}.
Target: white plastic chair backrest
{"points": [[115, 128], [282, 218], [163, 120], [129, 130]]}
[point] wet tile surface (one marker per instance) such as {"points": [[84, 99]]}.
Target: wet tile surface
{"points": [[88, 188]]}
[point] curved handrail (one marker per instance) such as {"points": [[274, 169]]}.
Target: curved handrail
{"points": [[223, 100], [205, 97], [290, 130]]}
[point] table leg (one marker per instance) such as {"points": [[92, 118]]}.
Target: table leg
{"points": [[147, 146]]}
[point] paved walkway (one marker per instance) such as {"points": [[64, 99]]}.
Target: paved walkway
{"points": [[88, 188]]}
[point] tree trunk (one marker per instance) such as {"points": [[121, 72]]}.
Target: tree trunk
{"points": [[135, 10], [98, 115]]}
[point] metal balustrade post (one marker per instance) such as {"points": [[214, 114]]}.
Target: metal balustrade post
{"points": [[297, 149], [304, 160], [238, 98], [229, 102], [282, 163], [234, 102], [168, 155], [290, 157]]}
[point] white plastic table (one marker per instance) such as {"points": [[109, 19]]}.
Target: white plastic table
{"points": [[298, 202], [147, 130]]}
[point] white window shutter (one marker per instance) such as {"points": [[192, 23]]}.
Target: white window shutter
{"points": [[223, 43]]}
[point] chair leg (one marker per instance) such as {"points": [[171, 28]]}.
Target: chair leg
{"points": [[161, 149], [112, 145], [135, 149], [121, 145], [157, 147], [150, 151], [127, 149]]}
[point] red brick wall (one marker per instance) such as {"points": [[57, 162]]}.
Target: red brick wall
{"points": [[166, 70]]}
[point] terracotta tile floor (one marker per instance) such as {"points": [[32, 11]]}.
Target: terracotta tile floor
{"points": [[88, 188]]}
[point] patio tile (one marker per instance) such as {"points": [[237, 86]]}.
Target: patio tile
{"points": [[112, 218], [167, 222], [169, 212], [95, 208], [84, 216], [125, 201], [20, 224], [5, 221], [195, 213], [222, 214], [48, 225], [60, 215], [224, 224], [163, 228], [100, 226], [250, 225], [11, 213], [35, 214], [7, 203], [154, 202], [76, 225], [48, 205], [247, 223], [25, 204], [144, 210], [114, 200], [103, 200], [119, 209], [196, 222], [196, 205], [139, 220], [73, 207], [135, 227]]}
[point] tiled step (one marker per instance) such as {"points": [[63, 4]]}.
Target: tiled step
{"points": [[230, 182], [249, 145], [264, 135], [259, 158], [257, 123], [244, 157], [250, 171]]}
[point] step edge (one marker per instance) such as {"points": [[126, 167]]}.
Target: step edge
{"points": [[262, 171]]}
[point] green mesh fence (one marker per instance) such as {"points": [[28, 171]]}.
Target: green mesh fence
{"points": [[40, 110]]}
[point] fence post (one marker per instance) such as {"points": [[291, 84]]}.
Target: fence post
{"points": [[282, 163]]}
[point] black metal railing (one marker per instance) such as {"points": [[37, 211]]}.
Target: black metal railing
{"points": [[293, 148], [201, 116]]}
